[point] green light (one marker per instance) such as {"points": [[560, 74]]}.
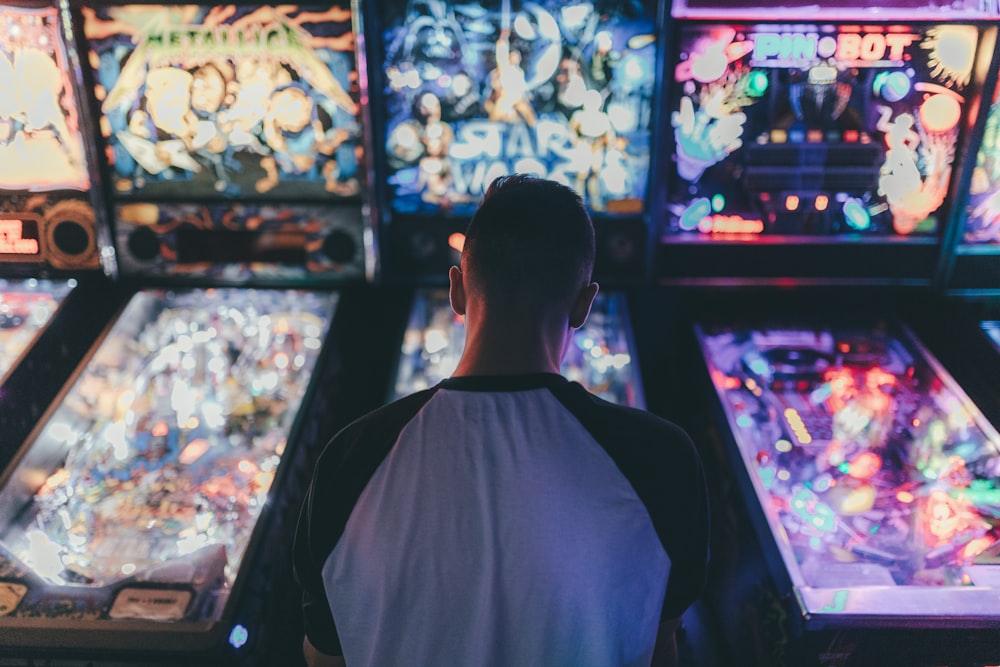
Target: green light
{"points": [[756, 83], [856, 215], [844, 467], [718, 202]]}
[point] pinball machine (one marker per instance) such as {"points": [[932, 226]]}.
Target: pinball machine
{"points": [[466, 93], [145, 520], [817, 160], [55, 251]]}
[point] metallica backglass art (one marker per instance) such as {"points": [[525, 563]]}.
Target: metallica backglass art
{"points": [[817, 129], [562, 90], [228, 101]]}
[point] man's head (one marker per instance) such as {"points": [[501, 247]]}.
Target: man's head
{"points": [[529, 251]]}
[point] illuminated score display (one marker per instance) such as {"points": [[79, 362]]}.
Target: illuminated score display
{"points": [[817, 130], [19, 237]]}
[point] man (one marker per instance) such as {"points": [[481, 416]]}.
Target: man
{"points": [[506, 516]]}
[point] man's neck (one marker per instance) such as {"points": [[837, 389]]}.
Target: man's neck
{"points": [[501, 350]]}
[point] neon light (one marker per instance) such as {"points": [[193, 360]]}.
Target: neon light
{"points": [[940, 113], [952, 52], [692, 216], [856, 215], [822, 201], [11, 242], [797, 48], [756, 83], [792, 202], [865, 465], [976, 547], [239, 636], [730, 224]]}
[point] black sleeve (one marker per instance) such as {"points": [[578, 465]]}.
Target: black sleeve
{"points": [[342, 472], [661, 463], [317, 618]]}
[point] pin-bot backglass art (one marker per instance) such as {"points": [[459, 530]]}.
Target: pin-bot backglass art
{"points": [[817, 129]]}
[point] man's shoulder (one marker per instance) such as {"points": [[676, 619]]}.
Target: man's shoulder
{"points": [[634, 424], [379, 424]]}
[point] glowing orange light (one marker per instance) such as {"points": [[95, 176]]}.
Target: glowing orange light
{"points": [[246, 466], [877, 377], [865, 465], [940, 113], [724, 381], [193, 451], [160, 429], [851, 136], [11, 242], [916, 421], [822, 202], [977, 546], [791, 202], [457, 241], [730, 224], [904, 497], [814, 136]]}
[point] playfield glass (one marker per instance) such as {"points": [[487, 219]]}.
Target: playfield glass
{"points": [[600, 356], [140, 494], [876, 473], [562, 90], [26, 306]]}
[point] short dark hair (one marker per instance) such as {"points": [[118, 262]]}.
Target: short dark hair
{"points": [[530, 243]]}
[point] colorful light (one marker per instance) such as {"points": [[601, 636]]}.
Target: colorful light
{"points": [[821, 203], [756, 83], [456, 241], [953, 50], [940, 113], [855, 214], [239, 636]]}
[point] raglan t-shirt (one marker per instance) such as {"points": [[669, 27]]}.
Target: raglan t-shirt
{"points": [[503, 520]]}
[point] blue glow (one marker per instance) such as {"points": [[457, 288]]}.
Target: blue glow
{"points": [[760, 367], [695, 213], [239, 636], [856, 215], [744, 421]]}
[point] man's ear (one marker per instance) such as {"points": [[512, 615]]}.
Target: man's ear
{"points": [[456, 290], [581, 307]]}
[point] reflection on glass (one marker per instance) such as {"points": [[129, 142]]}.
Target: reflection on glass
{"points": [[25, 308], [600, 357], [871, 464], [992, 330], [983, 222], [151, 473]]}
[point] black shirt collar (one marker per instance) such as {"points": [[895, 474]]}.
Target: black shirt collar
{"points": [[503, 382]]}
